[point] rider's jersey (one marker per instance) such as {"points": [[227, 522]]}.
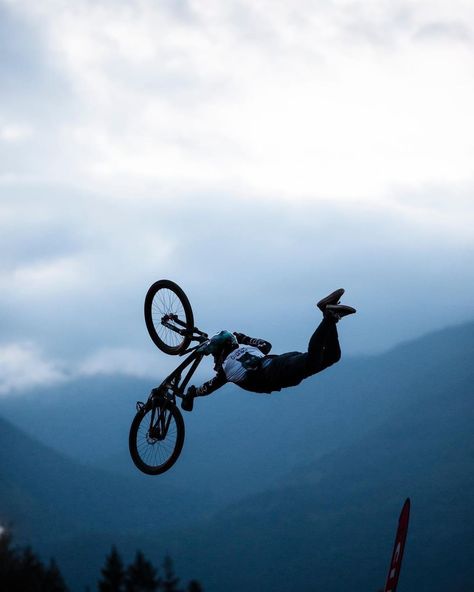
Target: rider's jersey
{"points": [[240, 361]]}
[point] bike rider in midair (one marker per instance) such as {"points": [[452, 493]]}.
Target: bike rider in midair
{"points": [[246, 362]]}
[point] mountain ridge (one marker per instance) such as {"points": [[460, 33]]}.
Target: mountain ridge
{"points": [[46, 494], [323, 410], [408, 419]]}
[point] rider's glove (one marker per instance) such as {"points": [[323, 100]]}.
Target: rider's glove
{"points": [[191, 392], [188, 401]]}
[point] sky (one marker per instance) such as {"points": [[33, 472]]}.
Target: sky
{"points": [[259, 153]]}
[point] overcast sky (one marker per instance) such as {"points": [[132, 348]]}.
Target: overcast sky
{"points": [[259, 153]]}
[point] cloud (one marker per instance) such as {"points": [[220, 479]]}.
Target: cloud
{"points": [[121, 360], [257, 153], [446, 31], [78, 286], [23, 366], [265, 98], [15, 132]]}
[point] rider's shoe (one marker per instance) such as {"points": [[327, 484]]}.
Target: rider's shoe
{"points": [[337, 311], [333, 298], [187, 403]]}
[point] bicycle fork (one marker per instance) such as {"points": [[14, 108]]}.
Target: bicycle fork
{"points": [[159, 427]]}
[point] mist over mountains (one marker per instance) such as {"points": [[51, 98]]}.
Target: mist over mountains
{"points": [[299, 489]]}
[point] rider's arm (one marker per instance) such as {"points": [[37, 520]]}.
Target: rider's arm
{"points": [[261, 344], [211, 385]]}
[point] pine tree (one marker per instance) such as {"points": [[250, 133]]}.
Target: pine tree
{"points": [[194, 586], [30, 572], [170, 581], [113, 575], [53, 580], [22, 571], [8, 561], [141, 576]]}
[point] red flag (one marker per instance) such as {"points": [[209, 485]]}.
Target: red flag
{"points": [[398, 548]]}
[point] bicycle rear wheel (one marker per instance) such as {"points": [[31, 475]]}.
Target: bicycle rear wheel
{"points": [[156, 437], [168, 317]]}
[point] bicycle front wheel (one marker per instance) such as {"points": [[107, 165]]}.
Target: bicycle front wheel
{"points": [[168, 317], [156, 437]]}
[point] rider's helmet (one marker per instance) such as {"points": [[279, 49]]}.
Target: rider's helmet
{"points": [[221, 344]]}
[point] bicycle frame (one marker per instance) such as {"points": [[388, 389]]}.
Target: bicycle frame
{"points": [[174, 386], [174, 383]]}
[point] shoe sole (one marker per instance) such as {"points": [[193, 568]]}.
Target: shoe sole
{"points": [[341, 310]]}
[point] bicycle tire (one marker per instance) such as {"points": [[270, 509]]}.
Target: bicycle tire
{"points": [[165, 298], [144, 449]]}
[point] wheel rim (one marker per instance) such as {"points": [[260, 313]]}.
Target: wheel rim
{"points": [[154, 448], [167, 305]]}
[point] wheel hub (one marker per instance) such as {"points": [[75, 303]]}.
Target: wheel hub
{"points": [[155, 435]]}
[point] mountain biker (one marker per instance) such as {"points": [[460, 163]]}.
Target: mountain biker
{"points": [[246, 362]]}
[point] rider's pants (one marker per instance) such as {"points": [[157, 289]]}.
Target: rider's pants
{"points": [[290, 369]]}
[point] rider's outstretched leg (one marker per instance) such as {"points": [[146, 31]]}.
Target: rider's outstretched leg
{"points": [[323, 347]]}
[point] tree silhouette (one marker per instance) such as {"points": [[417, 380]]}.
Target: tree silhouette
{"points": [[113, 575], [29, 570], [194, 586], [53, 578], [8, 561], [170, 581], [22, 571], [141, 576]]}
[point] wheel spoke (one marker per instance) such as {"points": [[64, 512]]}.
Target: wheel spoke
{"points": [[152, 452], [165, 299]]}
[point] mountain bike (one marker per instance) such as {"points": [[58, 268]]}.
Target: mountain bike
{"points": [[157, 431]]}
